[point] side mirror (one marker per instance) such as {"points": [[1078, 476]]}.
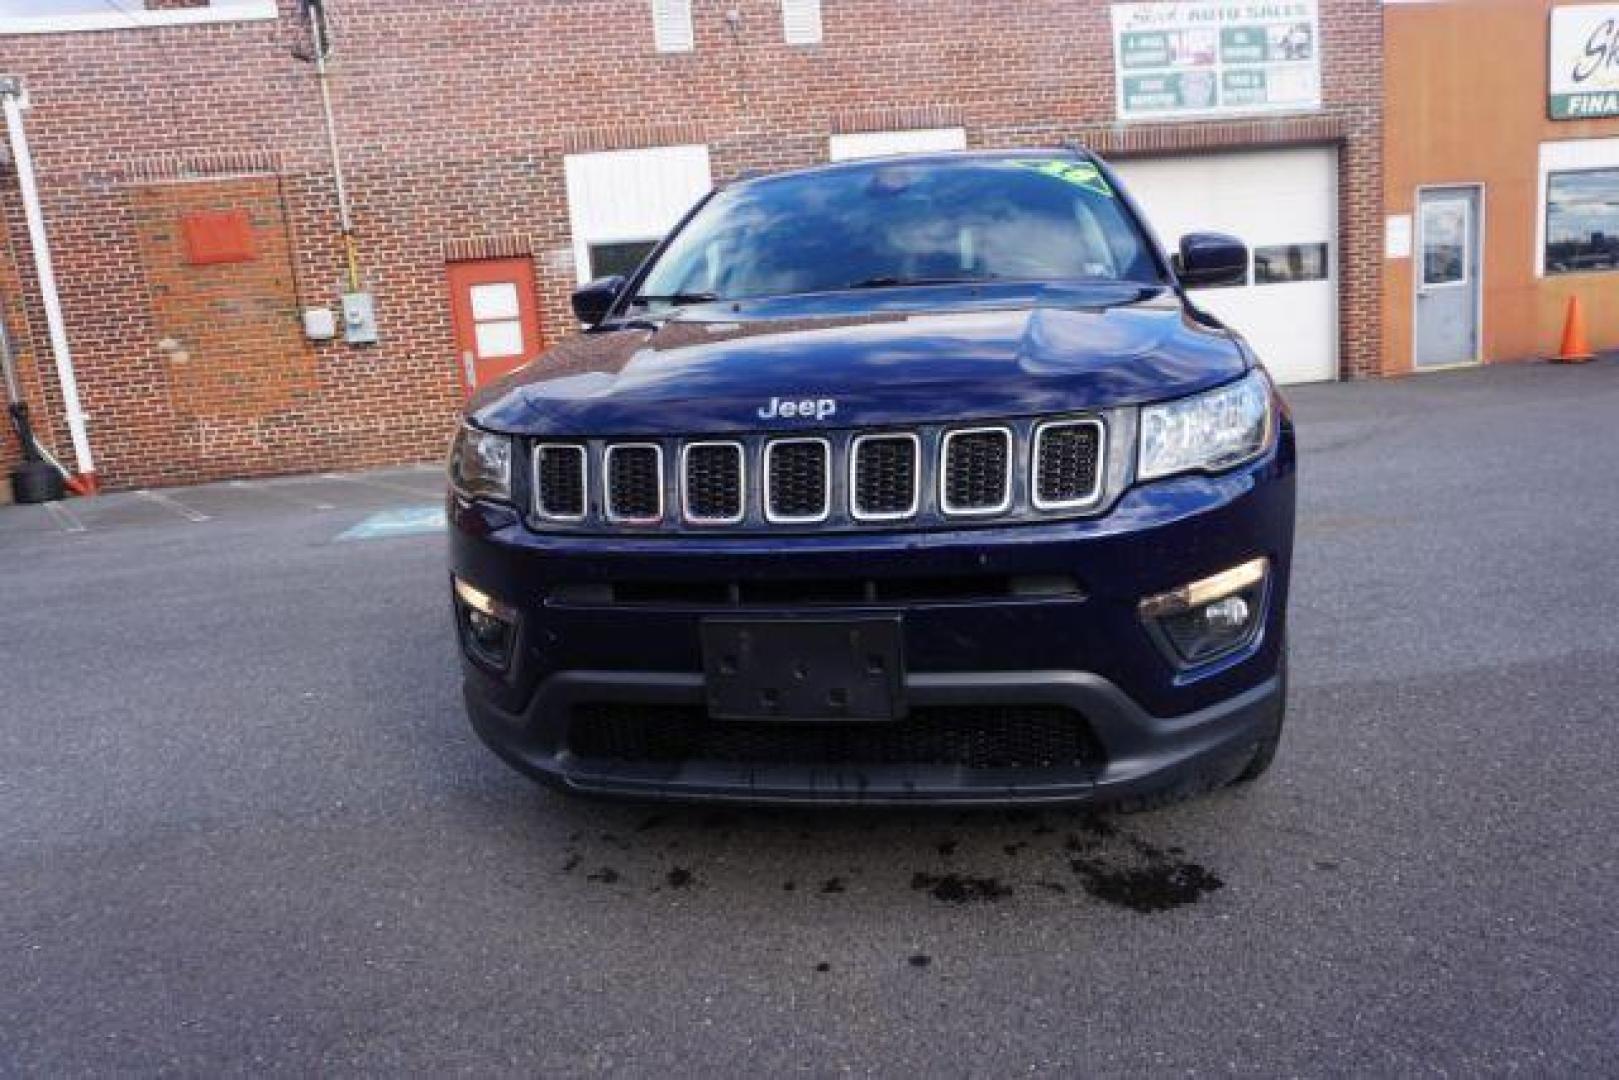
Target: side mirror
{"points": [[592, 301], [1212, 259]]}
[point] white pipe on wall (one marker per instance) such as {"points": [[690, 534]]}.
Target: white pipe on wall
{"points": [[11, 102]]}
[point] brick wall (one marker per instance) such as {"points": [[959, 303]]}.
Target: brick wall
{"points": [[455, 118]]}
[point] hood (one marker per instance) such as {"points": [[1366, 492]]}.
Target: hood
{"points": [[895, 357]]}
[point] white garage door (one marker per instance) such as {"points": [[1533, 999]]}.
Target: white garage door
{"points": [[1284, 205], [622, 202], [869, 144]]}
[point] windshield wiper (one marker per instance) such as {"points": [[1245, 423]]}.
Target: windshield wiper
{"points": [[892, 282], [675, 298]]}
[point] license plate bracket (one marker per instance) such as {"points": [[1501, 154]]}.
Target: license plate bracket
{"points": [[804, 669]]}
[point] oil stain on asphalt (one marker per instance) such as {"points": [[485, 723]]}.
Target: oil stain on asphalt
{"points": [[1103, 860], [956, 889]]}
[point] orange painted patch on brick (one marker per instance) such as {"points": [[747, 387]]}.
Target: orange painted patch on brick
{"points": [[218, 236]]}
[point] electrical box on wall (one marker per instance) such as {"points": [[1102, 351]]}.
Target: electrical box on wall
{"points": [[359, 318], [320, 324]]}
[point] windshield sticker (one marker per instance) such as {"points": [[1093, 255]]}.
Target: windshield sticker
{"points": [[1079, 173]]}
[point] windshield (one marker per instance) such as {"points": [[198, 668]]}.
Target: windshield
{"points": [[900, 223]]}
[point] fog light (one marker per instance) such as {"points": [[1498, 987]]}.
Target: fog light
{"points": [[488, 627], [1209, 617], [1228, 614]]}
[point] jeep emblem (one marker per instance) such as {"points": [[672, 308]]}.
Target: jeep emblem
{"points": [[808, 408]]}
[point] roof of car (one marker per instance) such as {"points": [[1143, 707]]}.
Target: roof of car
{"points": [[934, 158]]}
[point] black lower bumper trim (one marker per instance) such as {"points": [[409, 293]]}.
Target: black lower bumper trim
{"points": [[1140, 753]]}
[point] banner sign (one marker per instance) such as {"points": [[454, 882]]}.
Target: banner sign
{"points": [[1584, 62], [1216, 58]]}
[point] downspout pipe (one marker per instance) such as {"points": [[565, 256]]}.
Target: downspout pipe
{"points": [[11, 101], [345, 212]]}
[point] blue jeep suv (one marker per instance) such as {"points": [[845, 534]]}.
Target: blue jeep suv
{"points": [[908, 481]]}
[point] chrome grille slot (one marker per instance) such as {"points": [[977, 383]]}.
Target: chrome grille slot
{"points": [[884, 479], [798, 480], [559, 481], [1067, 464], [976, 471], [634, 494], [712, 476]]}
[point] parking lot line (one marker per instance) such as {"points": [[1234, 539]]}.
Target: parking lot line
{"points": [[169, 502], [383, 485], [64, 518], [279, 492]]}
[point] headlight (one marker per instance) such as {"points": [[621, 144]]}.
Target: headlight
{"points": [[481, 464], [1217, 430]]}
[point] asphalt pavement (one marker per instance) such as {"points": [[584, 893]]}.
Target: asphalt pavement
{"points": [[244, 827]]}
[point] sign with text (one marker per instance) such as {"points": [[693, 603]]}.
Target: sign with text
{"points": [[1584, 62], [1215, 58]]}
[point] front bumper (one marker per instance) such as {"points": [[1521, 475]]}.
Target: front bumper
{"points": [[1145, 754], [1156, 726]]}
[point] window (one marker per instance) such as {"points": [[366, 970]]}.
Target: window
{"points": [[497, 326], [1041, 218], [1577, 193], [63, 16], [622, 259], [801, 21], [671, 26], [1283, 263], [866, 144], [1444, 242], [1582, 221], [621, 202]]}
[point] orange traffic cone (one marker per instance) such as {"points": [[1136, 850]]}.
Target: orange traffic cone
{"points": [[1576, 349]]}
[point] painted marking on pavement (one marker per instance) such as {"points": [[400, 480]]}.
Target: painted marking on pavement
{"points": [[407, 521], [278, 491], [168, 502], [373, 482], [65, 519]]}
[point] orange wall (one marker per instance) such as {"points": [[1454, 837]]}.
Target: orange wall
{"points": [[1465, 101]]}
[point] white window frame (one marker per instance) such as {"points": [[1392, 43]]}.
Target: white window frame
{"points": [[1568, 155], [136, 18], [672, 29], [801, 22], [871, 144]]}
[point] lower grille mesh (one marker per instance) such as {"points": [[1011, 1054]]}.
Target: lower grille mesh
{"points": [[970, 737]]}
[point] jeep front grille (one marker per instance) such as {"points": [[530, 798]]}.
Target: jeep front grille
{"points": [[1066, 455], [713, 474], [977, 475], [634, 493], [798, 480], [842, 480], [559, 482], [883, 484]]}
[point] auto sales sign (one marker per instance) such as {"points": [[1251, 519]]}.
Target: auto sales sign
{"points": [[1584, 62], [1200, 58]]}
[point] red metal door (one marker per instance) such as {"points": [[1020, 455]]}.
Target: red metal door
{"points": [[496, 319]]}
